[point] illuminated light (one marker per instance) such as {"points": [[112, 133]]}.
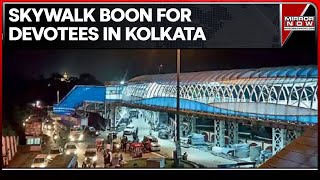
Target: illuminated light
{"points": [[122, 82], [37, 103], [81, 137], [42, 165], [94, 158], [68, 152]]}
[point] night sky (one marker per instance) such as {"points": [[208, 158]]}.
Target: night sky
{"points": [[116, 64]]}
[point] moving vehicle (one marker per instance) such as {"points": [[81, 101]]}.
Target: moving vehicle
{"points": [[54, 151], [33, 130], [129, 130], [70, 148], [64, 161], [91, 131], [161, 127], [90, 156], [163, 134], [76, 134], [40, 161], [116, 145], [136, 149], [48, 125], [154, 144]]}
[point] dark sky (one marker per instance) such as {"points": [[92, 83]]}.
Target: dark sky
{"points": [[112, 64]]}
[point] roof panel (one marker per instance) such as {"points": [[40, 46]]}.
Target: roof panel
{"points": [[225, 75], [297, 154]]}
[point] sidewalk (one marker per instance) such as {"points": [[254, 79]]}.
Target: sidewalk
{"points": [[23, 158]]}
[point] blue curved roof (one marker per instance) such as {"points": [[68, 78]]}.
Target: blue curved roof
{"points": [[223, 75], [77, 96]]}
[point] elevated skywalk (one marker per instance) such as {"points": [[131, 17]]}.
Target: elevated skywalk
{"points": [[77, 96], [96, 94]]}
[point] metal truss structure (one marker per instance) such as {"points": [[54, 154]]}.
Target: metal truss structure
{"points": [[285, 91]]}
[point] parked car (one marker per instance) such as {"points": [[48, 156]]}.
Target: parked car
{"points": [[129, 130], [70, 148], [40, 161], [154, 144]]}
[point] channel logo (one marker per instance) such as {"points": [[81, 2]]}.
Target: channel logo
{"points": [[299, 23]]}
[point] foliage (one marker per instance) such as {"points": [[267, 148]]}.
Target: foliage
{"points": [[8, 131]]}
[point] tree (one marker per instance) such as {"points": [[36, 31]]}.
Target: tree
{"points": [[86, 78], [56, 76]]}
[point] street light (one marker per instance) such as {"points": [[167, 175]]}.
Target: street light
{"points": [[178, 146], [122, 82]]}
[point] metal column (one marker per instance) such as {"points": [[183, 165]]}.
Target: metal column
{"points": [[292, 135], [178, 145], [112, 117], [219, 128], [279, 137], [233, 129], [193, 124]]}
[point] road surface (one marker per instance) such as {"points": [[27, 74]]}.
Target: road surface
{"points": [[168, 146]]}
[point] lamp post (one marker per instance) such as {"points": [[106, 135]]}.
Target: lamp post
{"points": [[178, 147]]}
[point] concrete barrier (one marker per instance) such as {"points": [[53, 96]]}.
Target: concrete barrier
{"points": [[9, 148]]}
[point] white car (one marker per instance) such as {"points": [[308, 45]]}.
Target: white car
{"points": [[54, 152], [40, 161], [70, 148], [129, 130]]}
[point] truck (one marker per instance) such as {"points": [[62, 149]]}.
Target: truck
{"points": [[33, 131], [64, 161]]}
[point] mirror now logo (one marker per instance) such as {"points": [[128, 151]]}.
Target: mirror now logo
{"points": [[299, 23]]}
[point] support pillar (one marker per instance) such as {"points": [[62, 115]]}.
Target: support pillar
{"points": [[233, 129], [219, 127], [278, 139], [193, 124], [181, 117], [292, 135], [84, 109], [112, 117], [105, 111]]}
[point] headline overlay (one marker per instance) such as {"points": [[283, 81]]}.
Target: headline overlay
{"points": [[106, 15]]}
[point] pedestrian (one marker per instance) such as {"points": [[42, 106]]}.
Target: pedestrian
{"points": [[134, 136], [121, 159], [137, 131], [127, 147], [150, 132], [124, 146], [105, 160]]}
